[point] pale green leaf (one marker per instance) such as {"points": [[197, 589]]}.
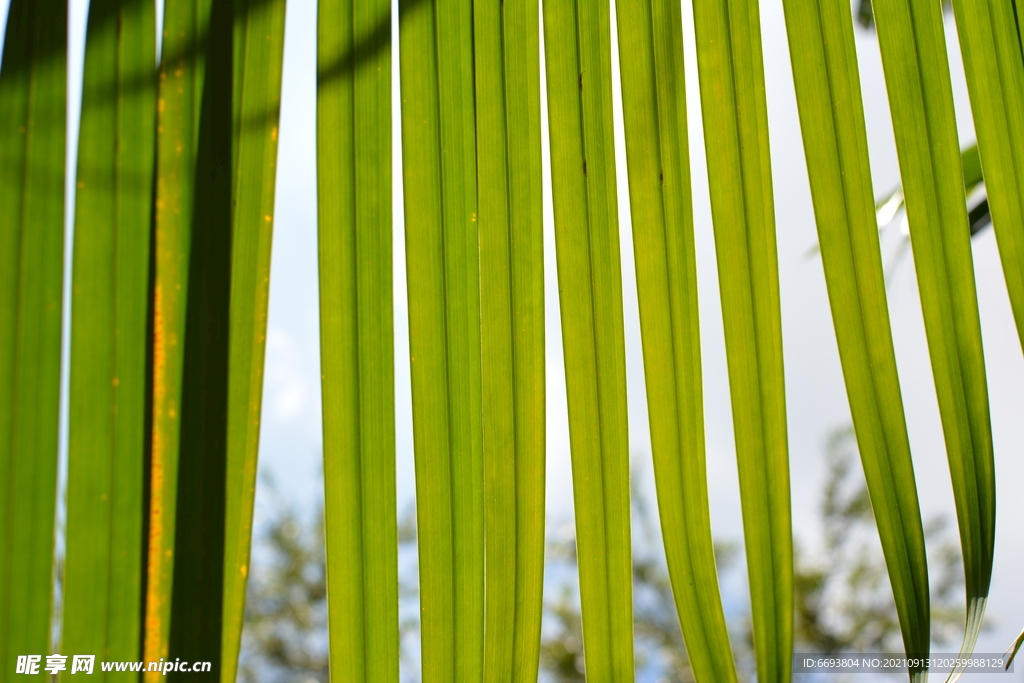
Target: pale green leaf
{"points": [[577, 40], [258, 43], [507, 70], [739, 173], [914, 60], [356, 337], [439, 166], [654, 108], [994, 67], [825, 73]]}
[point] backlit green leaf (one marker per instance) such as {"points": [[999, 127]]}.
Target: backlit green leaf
{"points": [[914, 59], [258, 62], [654, 108], [739, 175], [507, 69], [180, 88], [577, 41], [221, 320], [825, 73], [110, 333], [439, 166], [32, 145], [994, 67], [197, 592], [356, 337]]}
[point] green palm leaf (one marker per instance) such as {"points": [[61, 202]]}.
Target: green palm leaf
{"points": [[654, 108], [258, 61], [507, 43], [578, 54], [995, 81], [32, 145], [200, 544], [739, 173], [1014, 649], [835, 142], [439, 166], [109, 326], [920, 95], [180, 88], [357, 339], [220, 258]]}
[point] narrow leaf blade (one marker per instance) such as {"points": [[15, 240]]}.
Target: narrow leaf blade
{"points": [[439, 155], [258, 63], [577, 40], [1011, 652], [32, 145], [835, 142], [654, 109], [917, 77], [109, 341], [507, 49], [179, 93], [357, 339], [994, 67], [739, 172]]}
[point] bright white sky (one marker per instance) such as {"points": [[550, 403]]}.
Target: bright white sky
{"points": [[291, 438]]}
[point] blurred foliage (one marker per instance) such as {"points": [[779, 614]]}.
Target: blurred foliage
{"points": [[285, 636], [843, 600], [659, 646]]}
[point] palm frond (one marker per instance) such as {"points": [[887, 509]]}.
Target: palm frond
{"points": [[654, 108], [356, 337], [439, 166], [835, 143], [577, 41], [258, 44], [508, 156], [109, 333], [33, 87], [180, 96], [994, 66], [739, 172], [914, 60]]}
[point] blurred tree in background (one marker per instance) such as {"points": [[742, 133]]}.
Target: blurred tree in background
{"points": [[844, 601]]}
